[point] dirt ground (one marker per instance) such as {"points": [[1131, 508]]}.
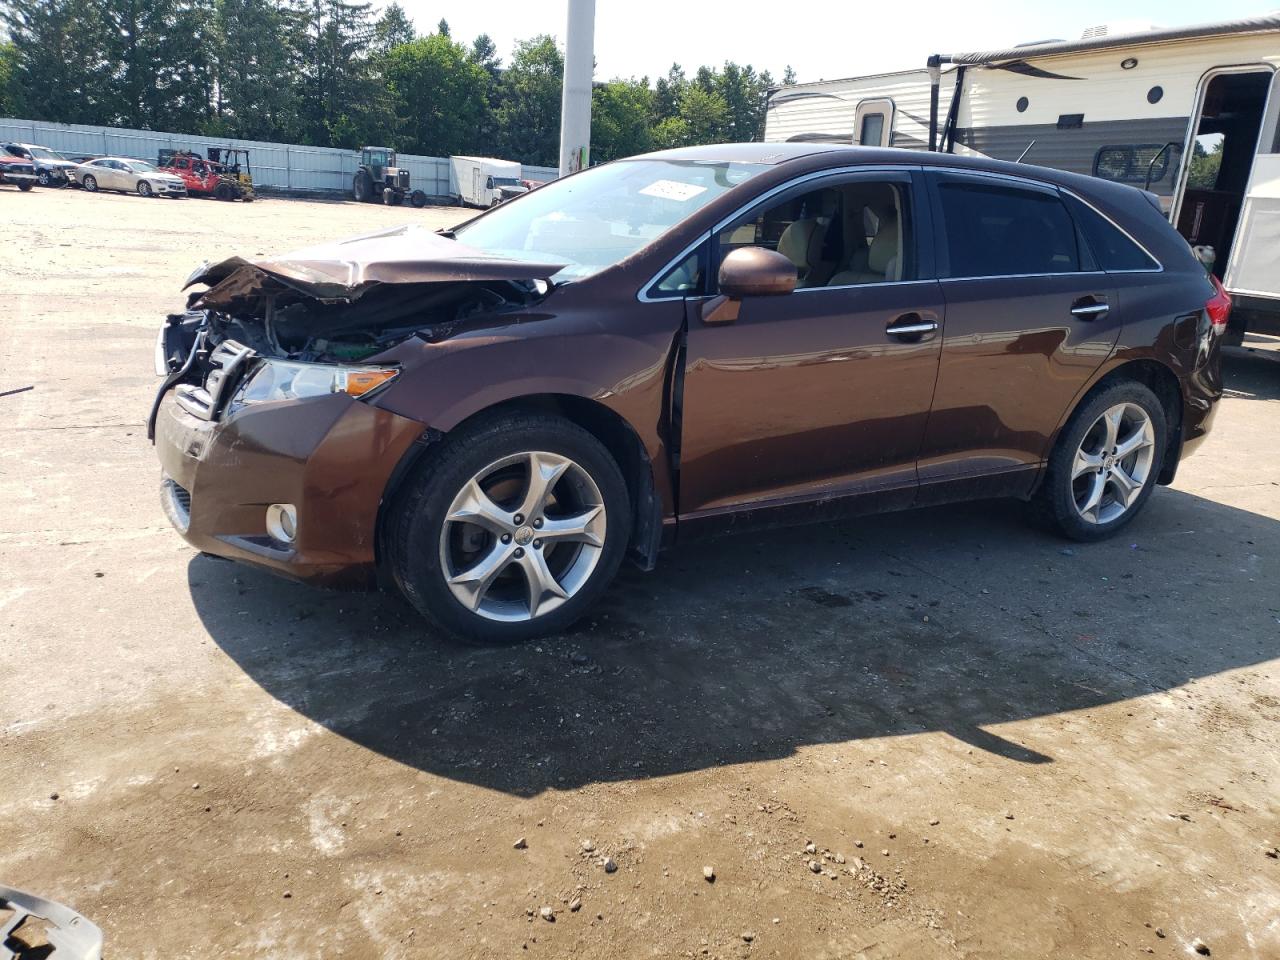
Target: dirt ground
{"points": [[999, 745]]}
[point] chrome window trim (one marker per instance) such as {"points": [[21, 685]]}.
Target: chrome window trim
{"points": [[1041, 185], [643, 294], [864, 286], [1027, 276]]}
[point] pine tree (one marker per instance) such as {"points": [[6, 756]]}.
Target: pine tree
{"points": [[393, 28]]}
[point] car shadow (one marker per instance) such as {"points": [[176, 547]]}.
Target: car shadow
{"points": [[749, 648]]}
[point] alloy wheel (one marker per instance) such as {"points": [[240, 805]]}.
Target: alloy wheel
{"points": [[522, 536], [1112, 465]]}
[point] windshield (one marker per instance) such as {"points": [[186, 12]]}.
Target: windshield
{"points": [[141, 166], [43, 153], [599, 217]]}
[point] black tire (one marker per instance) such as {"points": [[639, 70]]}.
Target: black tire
{"points": [[417, 518], [25, 185], [362, 187], [144, 189], [388, 196], [224, 193], [418, 199], [1055, 501], [90, 183]]}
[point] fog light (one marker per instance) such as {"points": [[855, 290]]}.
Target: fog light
{"points": [[282, 521]]}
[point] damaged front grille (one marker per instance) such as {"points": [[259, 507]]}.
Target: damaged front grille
{"points": [[227, 363]]}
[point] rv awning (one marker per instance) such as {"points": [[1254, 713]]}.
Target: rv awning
{"points": [[1053, 48]]}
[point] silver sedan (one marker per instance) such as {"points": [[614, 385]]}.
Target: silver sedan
{"points": [[128, 176]]}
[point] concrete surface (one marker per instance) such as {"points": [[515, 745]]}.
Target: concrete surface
{"points": [[1035, 749]]}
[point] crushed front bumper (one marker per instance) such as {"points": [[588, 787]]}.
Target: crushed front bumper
{"points": [[330, 457]]}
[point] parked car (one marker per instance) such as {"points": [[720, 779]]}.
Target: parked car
{"points": [[128, 176], [21, 173], [677, 343], [52, 168]]}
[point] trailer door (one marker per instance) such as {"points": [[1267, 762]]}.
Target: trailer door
{"points": [[1252, 268]]}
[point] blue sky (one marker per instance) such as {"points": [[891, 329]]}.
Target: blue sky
{"points": [[820, 39]]}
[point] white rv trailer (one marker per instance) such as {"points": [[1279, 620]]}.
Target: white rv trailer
{"points": [[1135, 107]]}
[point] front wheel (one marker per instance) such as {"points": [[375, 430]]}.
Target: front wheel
{"points": [[45, 179], [1106, 462], [144, 188], [91, 183], [514, 531]]}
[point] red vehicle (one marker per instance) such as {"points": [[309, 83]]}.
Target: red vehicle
{"points": [[202, 177], [18, 171]]}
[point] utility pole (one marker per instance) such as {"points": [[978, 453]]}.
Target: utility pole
{"points": [[575, 101]]}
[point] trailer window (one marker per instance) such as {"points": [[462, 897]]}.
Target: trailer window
{"points": [[1130, 162], [872, 132]]}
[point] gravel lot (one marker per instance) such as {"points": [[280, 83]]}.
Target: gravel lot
{"points": [[998, 745]]}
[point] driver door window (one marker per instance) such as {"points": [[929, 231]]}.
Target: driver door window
{"points": [[843, 235]]}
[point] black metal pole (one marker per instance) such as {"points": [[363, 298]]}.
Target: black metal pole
{"points": [[935, 78]]}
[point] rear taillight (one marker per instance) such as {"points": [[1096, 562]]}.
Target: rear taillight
{"points": [[1218, 307]]}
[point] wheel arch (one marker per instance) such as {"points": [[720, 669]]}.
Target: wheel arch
{"points": [[1160, 379], [606, 425]]}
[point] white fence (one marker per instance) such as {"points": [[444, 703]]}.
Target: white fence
{"points": [[275, 166]]}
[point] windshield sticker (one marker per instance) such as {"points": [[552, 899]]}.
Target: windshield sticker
{"points": [[672, 190]]}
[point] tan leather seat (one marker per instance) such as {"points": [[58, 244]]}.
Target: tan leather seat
{"points": [[879, 262]]}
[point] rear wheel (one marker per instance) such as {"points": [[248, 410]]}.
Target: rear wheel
{"points": [[362, 187], [90, 183], [144, 188], [418, 198], [516, 529], [1105, 464], [25, 185]]}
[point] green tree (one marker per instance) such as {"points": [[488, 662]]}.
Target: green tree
{"points": [[8, 85], [667, 93], [621, 119], [529, 114], [344, 102], [484, 54], [393, 28], [440, 95], [442, 27], [705, 114], [255, 58]]}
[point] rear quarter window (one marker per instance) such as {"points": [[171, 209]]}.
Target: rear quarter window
{"points": [[1111, 248]]}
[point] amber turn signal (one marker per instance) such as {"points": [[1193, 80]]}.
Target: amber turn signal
{"points": [[359, 382]]}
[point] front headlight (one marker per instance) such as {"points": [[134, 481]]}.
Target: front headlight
{"points": [[288, 380]]}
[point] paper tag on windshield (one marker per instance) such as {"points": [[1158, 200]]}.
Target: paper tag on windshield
{"points": [[672, 190]]}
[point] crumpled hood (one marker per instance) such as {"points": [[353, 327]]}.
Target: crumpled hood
{"points": [[345, 269]]}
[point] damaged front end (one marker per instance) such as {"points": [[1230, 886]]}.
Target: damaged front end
{"points": [[311, 322]]}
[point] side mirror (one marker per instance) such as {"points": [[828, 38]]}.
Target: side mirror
{"points": [[756, 272]]}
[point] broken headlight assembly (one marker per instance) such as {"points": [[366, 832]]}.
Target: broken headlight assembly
{"points": [[274, 380]]}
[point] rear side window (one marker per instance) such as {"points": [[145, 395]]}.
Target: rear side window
{"points": [[999, 231], [1111, 248]]}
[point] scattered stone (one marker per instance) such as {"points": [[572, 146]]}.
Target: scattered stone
{"points": [[893, 836], [815, 866], [521, 844], [1008, 816], [609, 865], [934, 822], [777, 919], [884, 853], [810, 847], [1200, 947], [748, 936], [580, 658], [708, 874], [195, 786], [1160, 932], [1273, 852], [858, 844], [547, 914], [54, 795], [839, 858], [588, 846], [288, 895], [575, 905]]}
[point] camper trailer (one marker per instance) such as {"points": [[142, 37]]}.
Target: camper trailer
{"points": [[484, 181], [1187, 113]]}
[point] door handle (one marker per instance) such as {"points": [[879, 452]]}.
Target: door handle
{"points": [[1090, 308], [911, 325]]}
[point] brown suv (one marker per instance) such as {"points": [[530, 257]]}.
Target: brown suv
{"points": [[661, 346]]}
